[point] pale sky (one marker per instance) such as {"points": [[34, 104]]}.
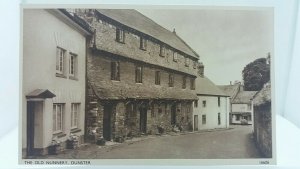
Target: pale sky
{"points": [[226, 40]]}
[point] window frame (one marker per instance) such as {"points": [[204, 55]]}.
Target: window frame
{"points": [[203, 119], [75, 121], [75, 65], [143, 43], [60, 60], [192, 84], [196, 103], [219, 101], [120, 35], [157, 77], [204, 103], [219, 118], [183, 82], [115, 70], [171, 80], [162, 51], [186, 61], [56, 127], [175, 56], [138, 74]]}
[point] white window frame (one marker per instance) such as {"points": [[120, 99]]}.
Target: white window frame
{"points": [[162, 51], [143, 43], [120, 35], [75, 115], [73, 62], [58, 107], [60, 60]]}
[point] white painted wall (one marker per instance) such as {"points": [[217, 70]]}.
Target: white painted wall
{"points": [[42, 33], [211, 111]]}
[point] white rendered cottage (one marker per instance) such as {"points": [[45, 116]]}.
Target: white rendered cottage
{"points": [[53, 85]]}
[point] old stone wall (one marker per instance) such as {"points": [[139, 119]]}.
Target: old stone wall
{"points": [[263, 129]]}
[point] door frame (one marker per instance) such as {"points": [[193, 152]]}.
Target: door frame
{"points": [[143, 119]]}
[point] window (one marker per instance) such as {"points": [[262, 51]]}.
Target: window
{"points": [[138, 74], [204, 103], [75, 109], [219, 118], [187, 61], [162, 51], [195, 65], [237, 117], [184, 82], [143, 43], [196, 103], [249, 106], [219, 101], [157, 77], [120, 35], [73, 65], [175, 57], [204, 119], [192, 83], [60, 60], [115, 71], [58, 117], [171, 80]]}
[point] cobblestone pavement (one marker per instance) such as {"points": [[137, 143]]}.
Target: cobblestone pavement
{"points": [[236, 142]]}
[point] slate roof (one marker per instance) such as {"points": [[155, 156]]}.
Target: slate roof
{"points": [[110, 90], [133, 19], [263, 96], [230, 90], [204, 86], [244, 97]]}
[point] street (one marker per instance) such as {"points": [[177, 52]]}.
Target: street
{"points": [[222, 144]]}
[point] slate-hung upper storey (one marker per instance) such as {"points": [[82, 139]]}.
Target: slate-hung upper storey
{"points": [[151, 44]]}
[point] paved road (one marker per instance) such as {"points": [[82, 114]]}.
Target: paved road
{"points": [[232, 143]]}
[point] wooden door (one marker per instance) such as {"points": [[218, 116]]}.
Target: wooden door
{"points": [[143, 120], [107, 122]]}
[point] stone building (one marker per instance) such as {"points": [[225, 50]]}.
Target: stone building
{"points": [[263, 121], [211, 110], [140, 76], [53, 84]]}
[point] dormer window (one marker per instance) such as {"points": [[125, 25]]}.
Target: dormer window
{"points": [[162, 51], [120, 35], [143, 43], [175, 57]]}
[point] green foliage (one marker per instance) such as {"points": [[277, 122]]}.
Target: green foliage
{"points": [[256, 74]]}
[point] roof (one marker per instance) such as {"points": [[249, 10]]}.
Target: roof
{"points": [[230, 90], [133, 19], [40, 93], [244, 97], [204, 86], [263, 96], [118, 90]]}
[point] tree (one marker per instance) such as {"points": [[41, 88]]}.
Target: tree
{"points": [[256, 74]]}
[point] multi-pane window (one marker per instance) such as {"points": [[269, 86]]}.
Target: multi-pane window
{"points": [[171, 80], [143, 43], [73, 65], [115, 71], [175, 57], [60, 60], [219, 118], [120, 35], [157, 77], [75, 109], [196, 103], [162, 50], [58, 117], [184, 82], [204, 119], [187, 61], [192, 83], [138, 74], [204, 103]]}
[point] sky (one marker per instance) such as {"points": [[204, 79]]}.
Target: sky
{"points": [[226, 40]]}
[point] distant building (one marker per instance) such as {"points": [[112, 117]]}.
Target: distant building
{"points": [[211, 110], [140, 76], [241, 108], [53, 88], [263, 120]]}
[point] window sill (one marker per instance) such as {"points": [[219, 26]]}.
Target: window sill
{"points": [[161, 55], [144, 49], [75, 130], [60, 75], [59, 134], [120, 42], [113, 80], [73, 78]]}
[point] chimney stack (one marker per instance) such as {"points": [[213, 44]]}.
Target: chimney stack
{"points": [[201, 69]]}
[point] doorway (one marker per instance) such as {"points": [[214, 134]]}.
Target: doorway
{"points": [[195, 122], [108, 110], [143, 120]]}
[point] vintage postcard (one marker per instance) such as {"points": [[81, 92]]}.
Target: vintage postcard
{"points": [[145, 85]]}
